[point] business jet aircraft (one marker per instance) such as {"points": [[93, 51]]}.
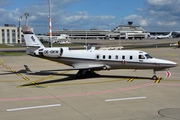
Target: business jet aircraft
{"points": [[63, 37], [87, 61], [160, 36], [164, 36]]}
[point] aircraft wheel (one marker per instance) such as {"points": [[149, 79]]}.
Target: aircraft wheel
{"points": [[154, 77], [79, 76]]}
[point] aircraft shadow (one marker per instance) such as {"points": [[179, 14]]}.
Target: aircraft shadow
{"points": [[72, 77], [24, 72], [15, 72]]}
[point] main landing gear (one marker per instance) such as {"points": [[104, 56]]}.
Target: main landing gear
{"points": [[86, 73]]}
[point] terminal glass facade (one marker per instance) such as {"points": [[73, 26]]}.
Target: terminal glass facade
{"points": [[3, 37], [8, 36], [13, 36]]}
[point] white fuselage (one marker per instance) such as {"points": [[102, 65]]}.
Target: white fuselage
{"points": [[112, 59]]}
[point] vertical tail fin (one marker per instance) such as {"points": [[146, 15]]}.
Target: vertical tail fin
{"points": [[31, 40], [170, 33]]}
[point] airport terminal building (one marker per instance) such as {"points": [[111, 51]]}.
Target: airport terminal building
{"points": [[129, 32], [83, 34], [122, 31], [9, 33]]}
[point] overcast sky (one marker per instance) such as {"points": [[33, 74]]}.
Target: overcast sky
{"points": [[152, 15]]}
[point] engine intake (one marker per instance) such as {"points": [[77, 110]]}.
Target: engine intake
{"points": [[51, 52]]}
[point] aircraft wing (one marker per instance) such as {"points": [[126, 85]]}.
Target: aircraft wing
{"points": [[76, 67]]}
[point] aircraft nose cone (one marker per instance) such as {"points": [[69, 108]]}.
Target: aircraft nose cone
{"points": [[167, 63], [172, 64]]}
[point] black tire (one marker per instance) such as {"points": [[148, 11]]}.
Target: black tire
{"points": [[154, 77]]}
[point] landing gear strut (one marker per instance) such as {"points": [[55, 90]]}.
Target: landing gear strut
{"points": [[154, 77]]}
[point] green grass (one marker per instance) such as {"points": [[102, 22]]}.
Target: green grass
{"points": [[24, 53], [8, 46], [12, 53], [45, 44]]}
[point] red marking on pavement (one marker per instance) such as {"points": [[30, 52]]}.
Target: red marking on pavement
{"points": [[76, 95], [168, 73]]}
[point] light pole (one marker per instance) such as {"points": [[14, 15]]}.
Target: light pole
{"points": [[19, 35], [50, 25], [26, 15], [86, 41], [119, 39]]}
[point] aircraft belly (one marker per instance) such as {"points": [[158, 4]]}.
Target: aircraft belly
{"points": [[112, 64], [136, 65]]}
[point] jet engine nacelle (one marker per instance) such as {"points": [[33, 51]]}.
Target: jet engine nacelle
{"points": [[50, 52]]}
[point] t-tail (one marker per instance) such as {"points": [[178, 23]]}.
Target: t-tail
{"points": [[32, 42], [36, 48]]}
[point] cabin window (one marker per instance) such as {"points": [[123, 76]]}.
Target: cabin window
{"points": [[104, 56], [40, 49], [97, 56], [131, 57], [141, 57], [123, 57], [148, 56], [116, 57], [61, 51], [109, 56]]}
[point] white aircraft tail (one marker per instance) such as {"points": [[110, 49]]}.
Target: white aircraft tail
{"points": [[32, 42], [170, 34]]}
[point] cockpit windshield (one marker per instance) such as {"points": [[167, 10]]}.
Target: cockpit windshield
{"points": [[148, 56]]}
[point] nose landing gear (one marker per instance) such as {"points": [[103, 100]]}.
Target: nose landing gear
{"points": [[157, 79]]}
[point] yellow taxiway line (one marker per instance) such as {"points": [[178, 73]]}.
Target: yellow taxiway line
{"points": [[131, 79], [158, 80]]}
